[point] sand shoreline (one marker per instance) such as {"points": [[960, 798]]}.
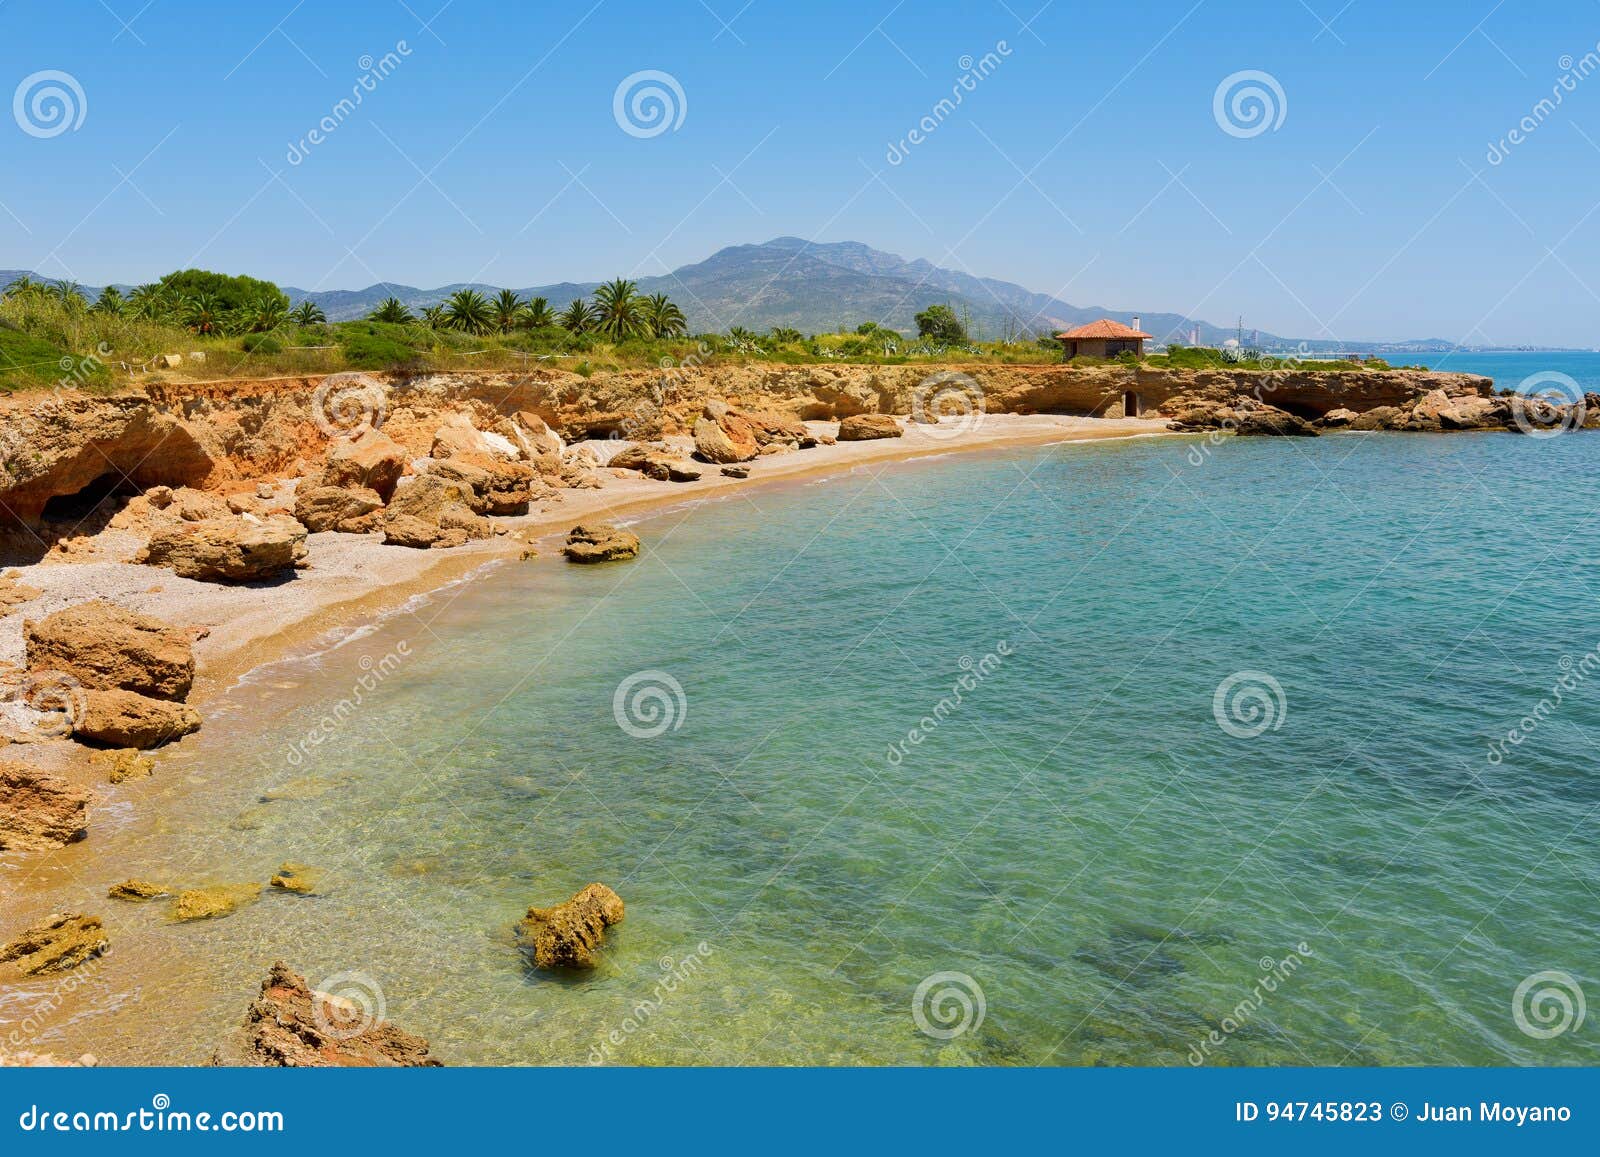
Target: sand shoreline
{"points": [[354, 579]]}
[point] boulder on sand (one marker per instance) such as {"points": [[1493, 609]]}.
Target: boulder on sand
{"points": [[352, 510], [233, 550], [569, 935], [432, 511], [865, 427], [39, 811], [107, 647], [374, 461], [654, 464], [292, 1026], [126, 719], [63, 941], [600, 542], [722, 435]]}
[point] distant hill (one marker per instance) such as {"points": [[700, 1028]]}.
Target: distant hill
{"points": [[820, 287]]}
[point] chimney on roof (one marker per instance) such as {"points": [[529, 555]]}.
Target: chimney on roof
{"points": [[1135, 321]]}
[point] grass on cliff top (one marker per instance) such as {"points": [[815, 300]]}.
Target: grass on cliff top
{"points": [[32, 363], [43, 344]]}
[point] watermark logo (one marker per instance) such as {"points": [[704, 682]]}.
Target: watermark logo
{"points": [[648, 704], [1248, 103], [347, 1004], [349, 404], [371, 73], [1273, 974], [1547, 404], [648, 103], [1249, 703], [948, 394], [973, 674], [37, 705], [1548, 1004], [947, 1005], [48, 103], [973, 72], [1572, 73]]}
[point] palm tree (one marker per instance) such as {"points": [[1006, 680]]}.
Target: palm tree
{"points": [[264, 314], [618, 310], [70, 294], [393, 310], [662, 317], [22, 287], [110, 302], [536, 314], [433, 317], [783, 335], [148, 302], [203, 313], [507, 310], [308, 313], [469, 311], [579, 316], [741, 336]]}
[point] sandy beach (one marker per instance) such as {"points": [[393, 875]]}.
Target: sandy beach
{"points": [[350, 577]]}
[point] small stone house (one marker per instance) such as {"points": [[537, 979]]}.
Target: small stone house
{"points": [[1104, 339]]}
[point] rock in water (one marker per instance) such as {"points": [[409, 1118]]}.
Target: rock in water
{"points": [[291, 1026], [233, 550], [39, 811], [865, 427], [600, 542], [123, 764], [65, 940], [296, 878], [104, 646], [137, 891], [570, 934], [218, 900], [1273, 422], [123, 719]]}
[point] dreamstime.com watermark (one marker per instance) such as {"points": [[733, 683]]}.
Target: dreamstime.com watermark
{"points": [[648, 704], [297, 751], [347, 1004], [1249, 703], [947, 1005], [349, 404], [648, 103], [49, 103], [948, 394], [973, 675], [973, 73], [160, 1117], [373, 73], [1573, 73], [40, 705], [1548, 404], [1273, 974], [24, 1034], [1548, 1004], [674, 974], [1249, 102], [1574, 673]]}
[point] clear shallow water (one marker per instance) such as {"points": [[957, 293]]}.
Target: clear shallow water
{"points": [[1079, 836]]}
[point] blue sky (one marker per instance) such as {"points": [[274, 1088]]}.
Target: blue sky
{"points": [[1088, 163]]}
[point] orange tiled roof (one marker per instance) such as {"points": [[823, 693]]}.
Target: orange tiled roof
{"points": [[1103, 328]]}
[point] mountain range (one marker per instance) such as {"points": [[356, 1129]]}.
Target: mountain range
{"points": [[821, 287]]}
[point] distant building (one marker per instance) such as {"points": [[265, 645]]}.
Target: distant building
{"points": [[1104, 339]]}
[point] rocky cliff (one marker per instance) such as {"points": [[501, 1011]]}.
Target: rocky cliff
{"points": [[61, 454]]}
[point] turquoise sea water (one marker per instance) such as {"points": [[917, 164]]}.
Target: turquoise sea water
{"points": [[1327, 867], [1508, 369]]}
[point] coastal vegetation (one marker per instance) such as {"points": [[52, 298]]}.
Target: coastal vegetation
{"points": [[201, 324]]}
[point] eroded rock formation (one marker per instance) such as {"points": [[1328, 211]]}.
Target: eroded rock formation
{"points": [[569, 935]]}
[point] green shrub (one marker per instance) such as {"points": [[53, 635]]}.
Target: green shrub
{"points": [[261, 343]]}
